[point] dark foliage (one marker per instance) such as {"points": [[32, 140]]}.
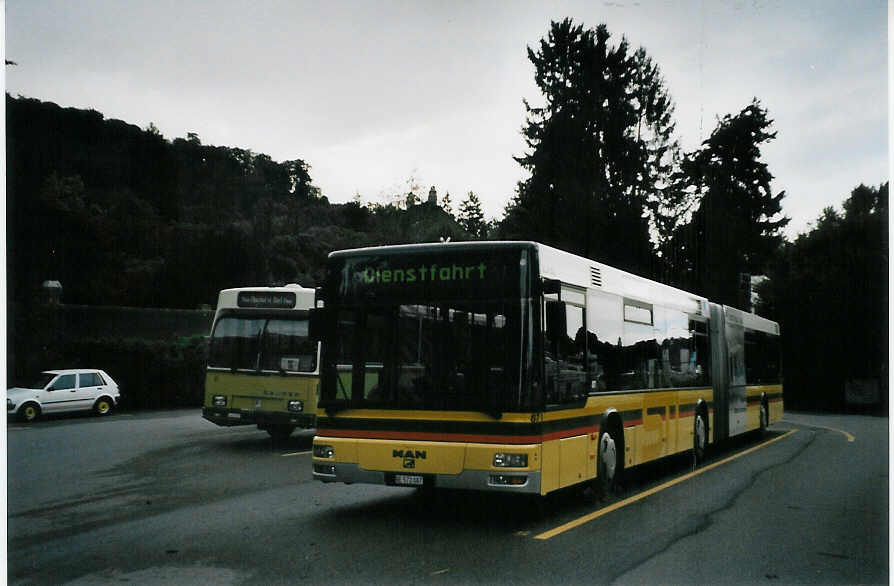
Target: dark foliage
{"points": [[123, 217], [737, 223], [600, 147], [829, 291]]}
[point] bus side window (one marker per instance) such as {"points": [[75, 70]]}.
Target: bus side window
{"points": [[604, 330], [566, 360]]}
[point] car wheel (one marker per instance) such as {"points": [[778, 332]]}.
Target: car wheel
{"points": [[28, 412], [280, 432], [103, 406]]}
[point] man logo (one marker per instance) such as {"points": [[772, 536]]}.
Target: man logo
{"points": [[409, 456]]}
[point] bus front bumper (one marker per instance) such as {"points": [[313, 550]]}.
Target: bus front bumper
{"points": [[263, 419], [466, 480]]}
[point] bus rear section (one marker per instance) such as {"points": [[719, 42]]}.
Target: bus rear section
{"points": [[262, 366]]}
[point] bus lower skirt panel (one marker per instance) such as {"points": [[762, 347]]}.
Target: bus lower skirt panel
{"points": [[527, 482]]}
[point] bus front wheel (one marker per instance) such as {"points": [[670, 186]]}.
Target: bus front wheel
{"points": [[699, 439], [280, 432], [611, 463]]}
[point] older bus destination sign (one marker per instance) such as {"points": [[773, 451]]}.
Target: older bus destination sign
{"points": [[266, 300]]}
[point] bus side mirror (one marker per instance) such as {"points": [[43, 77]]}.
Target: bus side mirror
{"points": [[556, 321], [316, 324]]}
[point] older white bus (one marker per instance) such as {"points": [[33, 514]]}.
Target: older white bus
{"points": [[262, 366]]}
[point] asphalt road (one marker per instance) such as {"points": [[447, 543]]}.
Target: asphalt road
{"points": [[168, 498]]}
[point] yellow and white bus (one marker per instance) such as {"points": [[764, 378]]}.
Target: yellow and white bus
{"points": [[262, 366], [514, 366]]}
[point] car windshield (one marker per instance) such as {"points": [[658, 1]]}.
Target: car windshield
{"points": [[41, 380]]}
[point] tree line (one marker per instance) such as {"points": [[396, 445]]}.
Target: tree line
{"points": [[123, 216]]}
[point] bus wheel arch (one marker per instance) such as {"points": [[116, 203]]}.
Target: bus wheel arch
{"points": [[610, 453]]}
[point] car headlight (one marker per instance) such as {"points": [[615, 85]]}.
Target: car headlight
{"points": [[219, 401], [10, 404], [296, 406], [511, 460], [323, 451]]}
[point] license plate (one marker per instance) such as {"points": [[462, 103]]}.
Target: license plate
{"points": [[408, 479], [234, 415]]}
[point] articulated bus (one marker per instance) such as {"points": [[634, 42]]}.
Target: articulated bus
{"points": [[514, 366], [262, 366]]}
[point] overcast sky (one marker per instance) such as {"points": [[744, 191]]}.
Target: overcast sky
{"points": [[372, 93]]}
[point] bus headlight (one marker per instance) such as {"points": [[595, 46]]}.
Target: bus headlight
{"points": [[296, 406], [219, 401], [323, 451], [510, 460]]}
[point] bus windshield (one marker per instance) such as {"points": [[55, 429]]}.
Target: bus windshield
{"points": [[434, 331], [266, 344]]}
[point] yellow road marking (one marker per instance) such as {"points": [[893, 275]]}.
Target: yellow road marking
{"points": [[614, 507], [295, 453], [850, 437]]}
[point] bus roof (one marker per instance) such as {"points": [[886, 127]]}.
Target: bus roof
{"points": [[581, 272]]}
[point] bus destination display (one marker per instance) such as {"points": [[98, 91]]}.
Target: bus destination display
{"points": [[266, 300]]}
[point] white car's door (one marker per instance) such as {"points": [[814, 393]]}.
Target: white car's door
{"points": [[90, 387], [60, 395]]}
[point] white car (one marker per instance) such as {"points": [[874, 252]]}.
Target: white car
{"points": [[60, 391]]}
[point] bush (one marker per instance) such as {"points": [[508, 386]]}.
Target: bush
{"points": [[151, 374]]}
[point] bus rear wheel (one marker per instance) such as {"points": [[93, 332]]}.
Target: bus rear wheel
{"points": [[280, 432]]}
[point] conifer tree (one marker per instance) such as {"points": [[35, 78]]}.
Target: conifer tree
{"points": [[600, 148], [737, 224], [471, 218]]}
